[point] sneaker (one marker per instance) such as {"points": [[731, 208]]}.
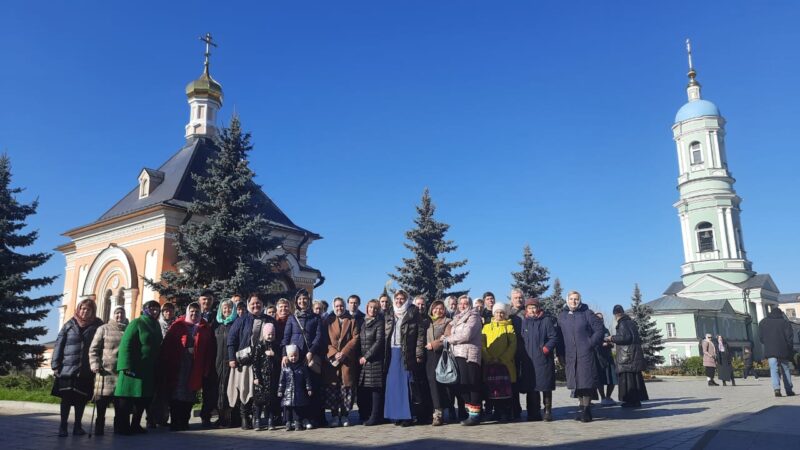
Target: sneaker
{"points": [[308, 425], [607, 402], [345, 422], [778, 393], [790, 393]]}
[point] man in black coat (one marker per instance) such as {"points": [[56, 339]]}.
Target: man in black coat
{"points": [[775, 333]]}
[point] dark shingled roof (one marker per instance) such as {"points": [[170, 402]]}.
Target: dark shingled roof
{"points": [[674, 288], [789, 297], [675, 303], [758, 281], [178, 188]]}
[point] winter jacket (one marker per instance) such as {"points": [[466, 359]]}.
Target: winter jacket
{"points": [[138, 354], [486, 316], [103, 357], [540, 339], [500, 346], [71, 352], [294, 384], [372, 340], [630, 356], [266, 369], [293, 333], [241, 336], [775, 333], [582, 332], [434, 332], [178, 339], [412, 342], [221, 339], [465, 335], [709, 350], [341, 336]]}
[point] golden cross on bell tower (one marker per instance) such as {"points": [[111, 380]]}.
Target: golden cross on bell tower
{"points": [[209, 43]]}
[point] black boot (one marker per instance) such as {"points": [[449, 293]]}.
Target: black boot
{"points": [[587, 413], [247, 416], [65, 407], [579, 415], [778, 393], [99, 426], [548, 406]]}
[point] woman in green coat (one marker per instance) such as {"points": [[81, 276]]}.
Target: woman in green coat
{"points": [[138, 354]]}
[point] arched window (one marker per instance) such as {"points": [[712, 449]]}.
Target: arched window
{"points": [[705, 237], [696, 152]]}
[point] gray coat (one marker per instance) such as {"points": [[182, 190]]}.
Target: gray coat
{"points": [[103, 357], [582, 332], [71, 351]]}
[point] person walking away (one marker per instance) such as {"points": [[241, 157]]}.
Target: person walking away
{"points": [[747, 360], [73, 377], [582, 332], [606, 369], [775, 333], [540, 340], [629, 360], [103, 354], [709, 350], [725, 362]]}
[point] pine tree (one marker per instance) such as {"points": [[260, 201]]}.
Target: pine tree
{"points": [[648, 331], [427, 272], [224, 250], [18, 311], [532, 279], [555, 302]]}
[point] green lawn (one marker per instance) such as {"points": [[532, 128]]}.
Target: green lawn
{"points": [[28, 395]]}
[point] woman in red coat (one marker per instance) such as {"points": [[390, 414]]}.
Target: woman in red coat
{"points": [[187, 356]]}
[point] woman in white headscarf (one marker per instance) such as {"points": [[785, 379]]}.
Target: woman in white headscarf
{"points": [[405, 346]]}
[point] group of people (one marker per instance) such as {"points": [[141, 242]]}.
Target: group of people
{"points": [[404, 360]]}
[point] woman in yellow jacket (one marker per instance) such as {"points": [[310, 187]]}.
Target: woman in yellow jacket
{"points": [[499, 348]]}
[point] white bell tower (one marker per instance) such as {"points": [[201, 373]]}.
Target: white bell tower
{"points": [[205, 99]]}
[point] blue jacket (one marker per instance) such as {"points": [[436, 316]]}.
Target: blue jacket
{"points": [[538, 367], [582, 332], [241, 333], [293, 334]]}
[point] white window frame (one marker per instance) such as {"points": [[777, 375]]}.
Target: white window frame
{"points": [[672, 331], [696, 153]]}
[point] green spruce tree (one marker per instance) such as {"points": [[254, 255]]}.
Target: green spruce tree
{"points": [[648, 331], [224, 248], [533, 277], [19, 311], [427, 272], [555, 302]]}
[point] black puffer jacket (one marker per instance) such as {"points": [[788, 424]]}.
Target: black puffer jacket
{"points": [[775, 332], [71, 352], [630, 357], [372, 348]]}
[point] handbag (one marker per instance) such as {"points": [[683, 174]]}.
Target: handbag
{"points": [[446, 368], [315, 365], [498, 382], [244, 357]]}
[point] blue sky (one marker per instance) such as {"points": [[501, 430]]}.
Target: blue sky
{"points": [[545, 123]]}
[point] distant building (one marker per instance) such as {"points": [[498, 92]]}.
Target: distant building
{"points": [[44, 370], [719, 292], [106, 259]]}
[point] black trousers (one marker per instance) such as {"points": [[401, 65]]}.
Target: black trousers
{"points": [[210, 395], [372, 402], [128, 413]]}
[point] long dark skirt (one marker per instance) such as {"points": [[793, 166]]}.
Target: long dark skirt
{"points": [[632, 388], [469, 381]]}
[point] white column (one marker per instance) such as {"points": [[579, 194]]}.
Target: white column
{"points": [[687, 245], [710, 151], [681, 163], [723, 240], [130, 298], [715, 149], [731, 234]]}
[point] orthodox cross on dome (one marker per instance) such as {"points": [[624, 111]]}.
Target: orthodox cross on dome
{"points": [[209, 43], [692, 73]]}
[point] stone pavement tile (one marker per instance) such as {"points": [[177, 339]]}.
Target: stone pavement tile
{"points": [[680, 413]]}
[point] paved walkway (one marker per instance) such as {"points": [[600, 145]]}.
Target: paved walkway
{"points": [[680, 414]]}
